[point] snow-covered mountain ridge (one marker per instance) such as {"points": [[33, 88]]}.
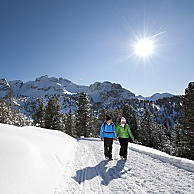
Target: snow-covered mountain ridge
{"points": [[156, 96], [102, 95], [44, 85]]}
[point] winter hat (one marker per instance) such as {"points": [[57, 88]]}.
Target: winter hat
{"points": [[123, 119], [108, 117]]}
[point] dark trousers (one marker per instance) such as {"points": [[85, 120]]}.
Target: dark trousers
{"points": [[108, 147], [124, 146]]}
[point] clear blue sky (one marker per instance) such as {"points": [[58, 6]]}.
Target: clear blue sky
{"points": [[89, 41]]}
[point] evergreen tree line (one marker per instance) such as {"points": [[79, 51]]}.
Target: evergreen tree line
{"points": [[82, 123], [10, 115], [184, 132], [87, 122]]}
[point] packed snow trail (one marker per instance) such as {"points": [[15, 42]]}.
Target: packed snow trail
{"points": [[42, 161], [141, 173]]}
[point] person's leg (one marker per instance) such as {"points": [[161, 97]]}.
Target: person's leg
{"points": [[122, 147], [125, 148], [105, 146], [110, 148]]}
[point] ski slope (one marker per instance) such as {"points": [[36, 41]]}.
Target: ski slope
{"points": [[41, 161]]}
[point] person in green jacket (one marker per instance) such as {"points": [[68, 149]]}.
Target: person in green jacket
{"points": [[123, 132]]}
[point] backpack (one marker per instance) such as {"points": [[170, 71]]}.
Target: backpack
{"points": [[107, 124]]}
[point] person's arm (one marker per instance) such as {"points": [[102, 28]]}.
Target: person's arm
{"points": [[117, 130], [102, 131], [115, 134], [130, 134]]}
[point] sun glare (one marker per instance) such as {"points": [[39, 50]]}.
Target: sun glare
{"points": [[144, 47]]}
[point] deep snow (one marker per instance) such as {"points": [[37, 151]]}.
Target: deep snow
{"points": [[41, 161], [32, 159]]}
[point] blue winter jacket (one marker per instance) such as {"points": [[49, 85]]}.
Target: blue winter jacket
{"points": [[108, 130]]}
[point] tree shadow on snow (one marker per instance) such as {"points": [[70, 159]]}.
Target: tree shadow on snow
{"points": [[89, 173]]}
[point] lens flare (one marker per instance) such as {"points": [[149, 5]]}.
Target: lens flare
{"points": [[144, 47]]}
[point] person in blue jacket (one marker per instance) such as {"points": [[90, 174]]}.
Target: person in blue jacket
{"points": [[108, 133]]}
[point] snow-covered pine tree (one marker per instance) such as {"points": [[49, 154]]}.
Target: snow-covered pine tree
{"points": [[39, 114], [145, 129], [187, 122], [91, 123], [11, 116], [53, 116], [9, 98], [116, 115], [152, 134], [20, 119], [175, 139], [69, 123], [5, 114], [63, 121], [160, 139], [82, 116], [94, 124], [101, 116], [96, 127], [131, 117]]}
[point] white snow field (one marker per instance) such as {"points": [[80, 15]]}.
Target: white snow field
{"points": [[41, 161]]}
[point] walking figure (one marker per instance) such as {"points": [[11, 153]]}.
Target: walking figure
{"points": [[123, 133], [108, 133]]}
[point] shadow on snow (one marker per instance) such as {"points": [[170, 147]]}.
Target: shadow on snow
{"points": [[88, 139], [89, 173]]}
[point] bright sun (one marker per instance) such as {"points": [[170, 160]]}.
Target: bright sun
{"points": [[144, 47]]}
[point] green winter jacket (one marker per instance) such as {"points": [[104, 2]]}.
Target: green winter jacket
{"points": [[124, 132]]}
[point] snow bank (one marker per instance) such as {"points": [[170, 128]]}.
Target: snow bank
{"points": [[164, 157], [32, 159]]}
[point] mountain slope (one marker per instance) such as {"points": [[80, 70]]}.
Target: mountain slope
{"points": [[45, 85], [42, 161], [105, 95], [156, 96]]}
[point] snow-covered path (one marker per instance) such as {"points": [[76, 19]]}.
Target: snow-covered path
{"points": [[141, 173], [42, 161]]}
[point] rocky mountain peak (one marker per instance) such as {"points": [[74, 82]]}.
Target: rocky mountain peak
{"points": [[4, 87]]}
